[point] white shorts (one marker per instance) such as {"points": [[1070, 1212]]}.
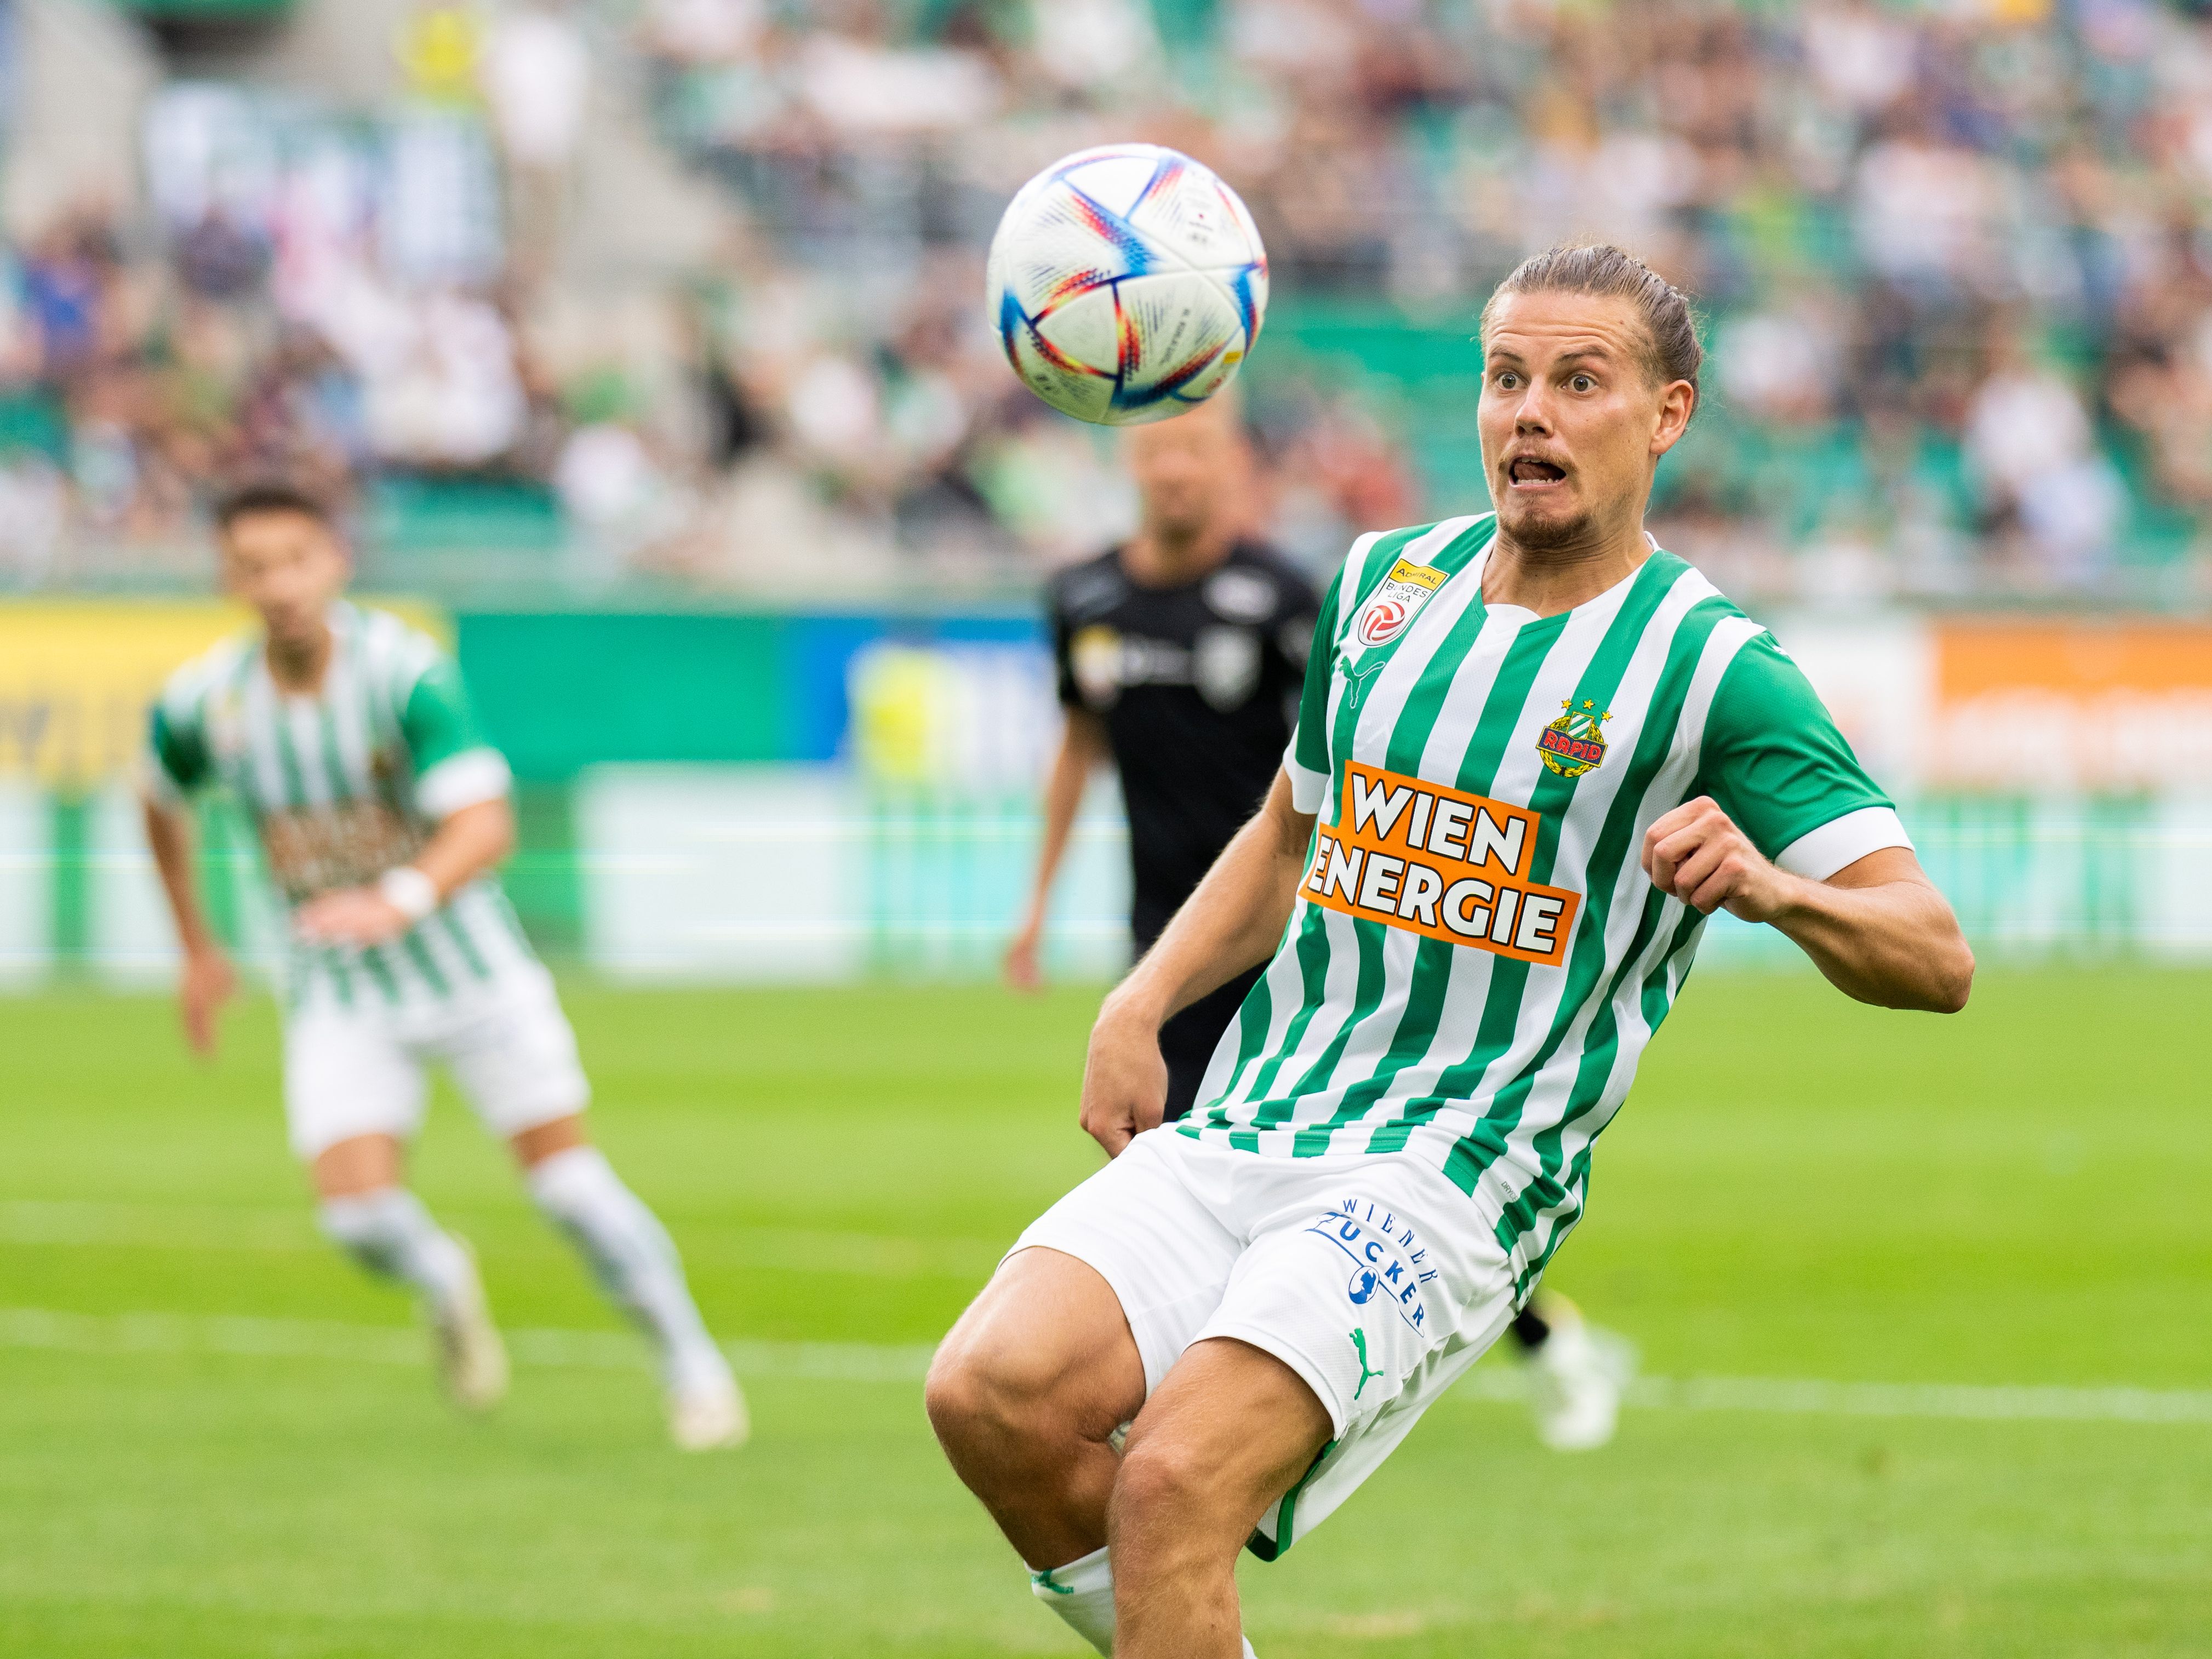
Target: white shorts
{"points": [[357, 1069], [1372, 1277]]}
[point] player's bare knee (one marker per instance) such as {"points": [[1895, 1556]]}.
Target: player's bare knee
{"points": [[977, 1389], [952, 1394], [1167, 1480]]}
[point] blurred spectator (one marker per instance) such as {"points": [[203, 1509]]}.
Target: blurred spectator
{"points": [[615, 494], [536, 76], [1927, 213], [1957, 261], [1784, 362], [861, 87], [1861, 54], [704, 31], [2029, 441], [33, 501], [68, 279], [536, 79], [221, 259], [443, 389], [1091, 45]]}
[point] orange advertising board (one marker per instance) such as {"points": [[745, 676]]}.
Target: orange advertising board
{"points": [[2088, 705], [2079, 659]]}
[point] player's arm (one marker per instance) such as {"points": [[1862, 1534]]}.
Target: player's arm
{"points": [[207, 980], [462, 782], [1233, 920], [1790, 831], [176, 763], [1878, 928], [1082, 749]]}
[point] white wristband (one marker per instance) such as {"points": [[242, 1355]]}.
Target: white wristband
{"points": [[409, 891]]}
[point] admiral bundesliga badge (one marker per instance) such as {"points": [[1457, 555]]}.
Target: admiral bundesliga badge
{"points": [[1391, 607], [1575, 742]]}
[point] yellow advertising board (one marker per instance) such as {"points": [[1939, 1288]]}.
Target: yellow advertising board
{"points": [[78, 676]]}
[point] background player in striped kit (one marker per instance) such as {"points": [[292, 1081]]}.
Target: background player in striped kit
{"points": [[346, 736], [1535, 753], [1178, 657]]}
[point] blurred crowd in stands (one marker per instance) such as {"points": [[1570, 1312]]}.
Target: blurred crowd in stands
{"points": [[1956, 258]]}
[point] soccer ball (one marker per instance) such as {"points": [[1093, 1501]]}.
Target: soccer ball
{"points": [[1126, 283]]}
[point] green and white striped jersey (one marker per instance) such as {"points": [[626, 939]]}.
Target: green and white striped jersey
{"points": [[1476, 959], [344, 785]]}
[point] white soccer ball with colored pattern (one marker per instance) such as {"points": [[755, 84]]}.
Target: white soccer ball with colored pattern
{"points": [[1127, 284]]}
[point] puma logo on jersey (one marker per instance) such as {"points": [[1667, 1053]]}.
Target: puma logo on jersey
{"points": [[1358, 678]]}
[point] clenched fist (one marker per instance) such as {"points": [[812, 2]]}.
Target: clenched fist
{"points": [[1697, 854]]}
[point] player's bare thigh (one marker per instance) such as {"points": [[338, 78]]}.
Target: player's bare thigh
{"points": [[357, 1164], [1025, 1395], [533, 1145]]}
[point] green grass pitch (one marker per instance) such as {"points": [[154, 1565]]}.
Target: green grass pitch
{"points": [[1800, 1188]]}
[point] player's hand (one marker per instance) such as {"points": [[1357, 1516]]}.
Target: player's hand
{"points": [[1124, 1080], [208, 982], [352, 915], [1697, 854], [1021, 967]]}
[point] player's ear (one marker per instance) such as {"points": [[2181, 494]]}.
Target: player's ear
{"points": [[1677, 402]]}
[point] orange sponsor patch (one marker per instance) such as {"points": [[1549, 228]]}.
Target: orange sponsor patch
{"points": [[1440, 863]]}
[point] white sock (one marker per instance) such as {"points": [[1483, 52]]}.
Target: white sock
{"points": [[1082, 1594], [389, 1233], [633, 1258]]}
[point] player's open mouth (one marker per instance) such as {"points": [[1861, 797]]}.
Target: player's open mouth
{"points": [[1529, 474]]}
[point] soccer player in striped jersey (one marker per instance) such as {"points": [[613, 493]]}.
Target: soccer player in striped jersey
{"points": [[1535, 753], [345, 735], [1179, 657]]}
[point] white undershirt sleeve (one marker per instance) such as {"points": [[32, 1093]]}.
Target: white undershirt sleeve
{"points": [[1840, 842], [468, 779], [1307, 786]]}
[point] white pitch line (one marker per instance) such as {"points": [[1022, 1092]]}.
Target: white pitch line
{"points": [[863, 1362], [244, 1337], [2007, 1402], [73, 1222]]}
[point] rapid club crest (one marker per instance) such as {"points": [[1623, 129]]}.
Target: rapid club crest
{"points": [[1575, 742]]}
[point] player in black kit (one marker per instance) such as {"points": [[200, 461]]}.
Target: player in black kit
{"points": [[1180, 656]]}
